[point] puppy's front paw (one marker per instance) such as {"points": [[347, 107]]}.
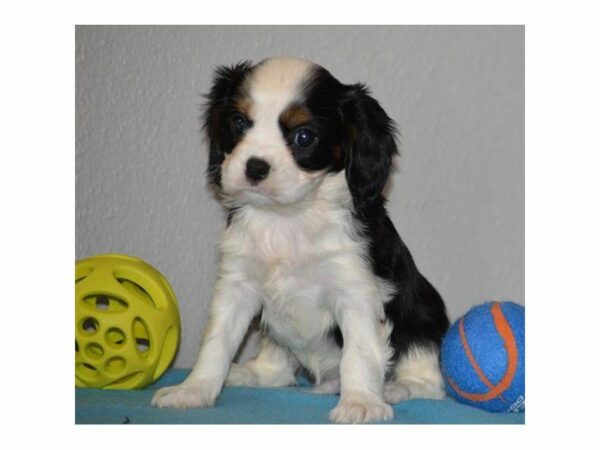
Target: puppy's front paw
{"points": [[361, 409], [184, 396]]}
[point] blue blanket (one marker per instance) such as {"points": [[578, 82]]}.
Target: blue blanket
{"points": [[238, 405]]}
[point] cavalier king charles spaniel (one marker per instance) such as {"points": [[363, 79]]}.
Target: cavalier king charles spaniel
{"points": [[300, 161]]}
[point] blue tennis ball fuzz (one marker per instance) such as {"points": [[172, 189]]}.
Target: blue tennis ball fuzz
{"points": [[483, 358]]}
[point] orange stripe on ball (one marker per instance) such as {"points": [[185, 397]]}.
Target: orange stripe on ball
{"points": [[510, 345], [465, 343]]}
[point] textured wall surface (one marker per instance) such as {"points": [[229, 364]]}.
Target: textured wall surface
{"points": [[457, 196]]}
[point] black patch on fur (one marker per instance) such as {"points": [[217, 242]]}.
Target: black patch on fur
{"points": [[225, 90], [354, 132], [417, 311], [321, 96], [370, 144], [335, 334], [367, 136]]}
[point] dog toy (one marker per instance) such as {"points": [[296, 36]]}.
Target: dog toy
{"points": [[126, 323], [483, 358]]}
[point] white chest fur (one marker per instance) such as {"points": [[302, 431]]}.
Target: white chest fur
{"points": [[290, 258]]}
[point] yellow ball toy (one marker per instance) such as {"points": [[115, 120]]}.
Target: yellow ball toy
{"points": [[127, 324]]}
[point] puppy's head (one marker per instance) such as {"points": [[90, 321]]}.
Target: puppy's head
{"points": [[276, 129]]}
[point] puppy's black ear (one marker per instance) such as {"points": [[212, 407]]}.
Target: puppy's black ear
{"points": [[226, 85], [370, 146]]}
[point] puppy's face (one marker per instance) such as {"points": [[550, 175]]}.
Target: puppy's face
{"points": [[276, 129]]}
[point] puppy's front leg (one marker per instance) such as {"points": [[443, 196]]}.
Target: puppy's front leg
{"points": [[233, 307], [362, 369]]}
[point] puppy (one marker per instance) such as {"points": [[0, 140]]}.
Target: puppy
{"points": [[300, 161]]}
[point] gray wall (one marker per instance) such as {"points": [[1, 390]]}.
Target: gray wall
{"points": [[457, 197]]}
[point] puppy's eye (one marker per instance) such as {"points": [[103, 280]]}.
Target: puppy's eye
{"points": [[239, 124], [305, 138]]}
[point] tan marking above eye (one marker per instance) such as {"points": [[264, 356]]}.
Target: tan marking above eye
{"points": [[245, 106], [295, 116]]}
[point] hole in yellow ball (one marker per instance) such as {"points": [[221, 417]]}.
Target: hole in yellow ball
{"points": [[141, 336], [129, 282], [115, 337], [143, 345], [108, 303], [85, 370], [115, 365], [94, 351], [82, 271], [102, 302], [135, 289], [89, 325]]}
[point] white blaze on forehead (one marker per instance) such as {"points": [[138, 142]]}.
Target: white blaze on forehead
{"points": [[277, 82]]}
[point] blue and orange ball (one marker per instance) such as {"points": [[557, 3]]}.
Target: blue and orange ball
{"points": [[483, 358]]}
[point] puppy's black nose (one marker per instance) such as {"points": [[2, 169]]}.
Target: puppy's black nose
{"points": [[257, 170]]}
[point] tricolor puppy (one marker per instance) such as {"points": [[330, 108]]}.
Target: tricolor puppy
{"points": [[301, 160]]}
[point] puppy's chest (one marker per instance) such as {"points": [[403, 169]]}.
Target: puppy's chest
{"points": [[296, 310], [293, 264]]}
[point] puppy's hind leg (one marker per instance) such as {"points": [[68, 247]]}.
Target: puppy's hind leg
{"points": [[272, 367], [417, 375], [327, 387]]}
